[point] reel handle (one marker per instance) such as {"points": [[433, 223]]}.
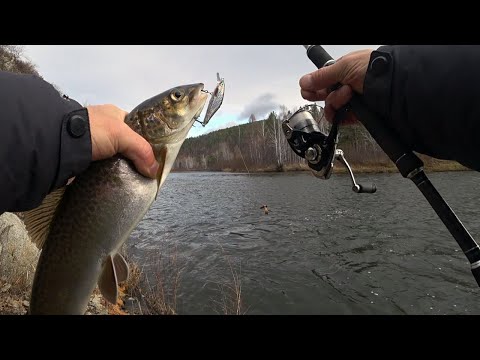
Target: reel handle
{"points": [[367, 189]]}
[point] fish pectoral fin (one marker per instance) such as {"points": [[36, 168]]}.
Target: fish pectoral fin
{"points": [[107, 283], [37, 221], [161, 156], [121, 268]]}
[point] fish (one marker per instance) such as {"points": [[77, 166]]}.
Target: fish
{"points": [[215, 101], [80, 228]]}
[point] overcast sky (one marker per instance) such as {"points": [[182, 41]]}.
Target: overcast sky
{"points": [[257, 78]]}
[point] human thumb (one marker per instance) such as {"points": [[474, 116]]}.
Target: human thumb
{"points": [[137, 149], [323, 78]]}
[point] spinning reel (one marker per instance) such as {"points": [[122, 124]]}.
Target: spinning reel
{"points": [[320, 150]]}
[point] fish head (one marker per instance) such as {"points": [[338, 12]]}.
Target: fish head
{"points": [[167, 117], [165, 120]]}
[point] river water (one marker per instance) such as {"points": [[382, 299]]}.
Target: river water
{"points": [[322, 249]]}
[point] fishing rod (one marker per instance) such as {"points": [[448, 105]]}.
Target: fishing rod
{"points": [[320, 150]]}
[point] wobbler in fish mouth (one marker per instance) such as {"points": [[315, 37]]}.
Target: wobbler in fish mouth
{"points": [[215, 101]]}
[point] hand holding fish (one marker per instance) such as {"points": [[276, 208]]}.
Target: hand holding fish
{"points": [[110, 136], [81, 227]]}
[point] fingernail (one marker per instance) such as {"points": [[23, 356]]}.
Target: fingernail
{"points": [[153, 170], [306, 82]]}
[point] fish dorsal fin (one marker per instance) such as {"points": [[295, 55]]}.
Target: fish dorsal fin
{"points": [[121, 268], [37, 221], [107, 283]]}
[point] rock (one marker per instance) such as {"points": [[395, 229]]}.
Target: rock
{"points": [[14, 303], [18, 255], [130, 302], [134, 306], [5, 288], [26, 303], [97, 301], [11, 306], [95, 306]]}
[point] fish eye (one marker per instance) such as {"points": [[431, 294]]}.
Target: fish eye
{"points": [[176, 95]]}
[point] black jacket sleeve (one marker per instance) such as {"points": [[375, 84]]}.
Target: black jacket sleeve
{"points": [[430, 97], [44, 140]]}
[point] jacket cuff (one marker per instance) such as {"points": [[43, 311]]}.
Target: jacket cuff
{"points": [[75, 146], [378, 81]]}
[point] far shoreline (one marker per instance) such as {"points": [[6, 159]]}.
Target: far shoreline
{"points": [[435, 166]]}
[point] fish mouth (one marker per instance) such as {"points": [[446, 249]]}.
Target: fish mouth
{"points": [[200, 97]]}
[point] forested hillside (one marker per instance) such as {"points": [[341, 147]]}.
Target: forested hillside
{"points": [[261, 146]]}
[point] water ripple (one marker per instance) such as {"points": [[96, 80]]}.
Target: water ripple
{"points": [[322, 249]]}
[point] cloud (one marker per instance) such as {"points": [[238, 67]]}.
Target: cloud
{"points": [[257, 77], [261, 106]]}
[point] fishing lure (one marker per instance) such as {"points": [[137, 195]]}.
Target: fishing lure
{"points": [[215, 101]]}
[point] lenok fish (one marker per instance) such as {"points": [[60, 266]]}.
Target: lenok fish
{"points": [[82, 227]]}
